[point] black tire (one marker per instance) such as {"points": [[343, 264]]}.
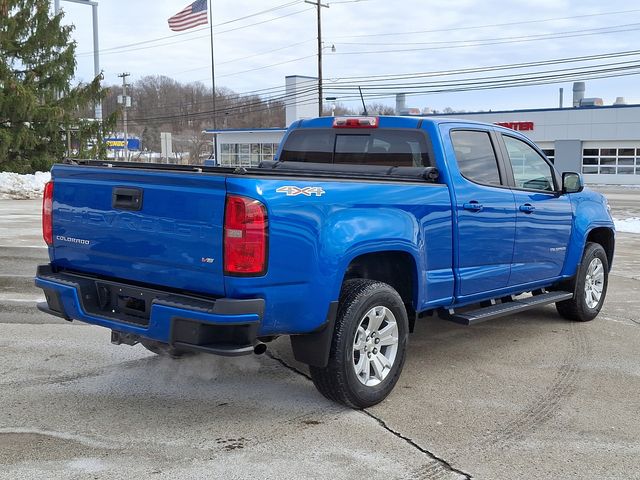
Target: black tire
{"points": [[577, 308], [338, 381], [164, 349]]}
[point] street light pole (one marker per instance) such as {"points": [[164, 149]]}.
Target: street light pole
{"points": [[319, 7], [96, 48]]}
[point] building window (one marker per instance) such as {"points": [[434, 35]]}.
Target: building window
{"points": [[611, 161], [550, 153], [246, 154]]}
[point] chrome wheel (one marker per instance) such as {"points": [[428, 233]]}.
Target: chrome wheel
{"points": [[594, 283], [375, 346]]}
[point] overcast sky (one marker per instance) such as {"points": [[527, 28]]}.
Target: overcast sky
{"points": [[259, 51]]}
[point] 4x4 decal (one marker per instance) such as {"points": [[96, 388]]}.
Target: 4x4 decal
{"points": [[293, 191]]}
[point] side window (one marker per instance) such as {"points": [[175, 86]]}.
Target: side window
{"points": [[315, 146], [475, 156], [530, 170]]}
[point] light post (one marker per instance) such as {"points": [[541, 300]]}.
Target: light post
{"points": [[96, 53], [333, 105]]}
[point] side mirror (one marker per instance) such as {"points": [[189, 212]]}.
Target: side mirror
{"points": [[572, 182]]}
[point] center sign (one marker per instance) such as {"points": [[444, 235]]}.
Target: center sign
{"points": [[520, 126]]}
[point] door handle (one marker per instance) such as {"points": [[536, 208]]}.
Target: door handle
{"points": [[473, 205], [527, 208]]}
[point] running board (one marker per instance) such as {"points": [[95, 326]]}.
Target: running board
{"points": [[506, 308]]}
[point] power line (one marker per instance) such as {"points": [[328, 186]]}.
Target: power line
{"points": [[312, 101], [285, 5], [254, 102], [274, 93], [522, 39], [491, 25], [531, 81], [144, 42], [506, 40], [486, 84], [250, 101], [267, 66], [247, 57], [517, 37], [409, 86], [122, 49], [584, 58]]}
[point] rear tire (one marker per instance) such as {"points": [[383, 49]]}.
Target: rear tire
{"points": [[589, 286], [368, 347], [164, 349]]}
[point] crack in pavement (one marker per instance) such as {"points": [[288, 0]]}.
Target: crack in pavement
{"points": [[442, 462], [440, 465]]}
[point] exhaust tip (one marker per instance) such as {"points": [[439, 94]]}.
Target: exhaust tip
{"points": [[259, 348]]}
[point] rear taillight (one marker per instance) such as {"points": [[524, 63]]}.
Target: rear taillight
{"points": [[47, 213], [245, 236]]}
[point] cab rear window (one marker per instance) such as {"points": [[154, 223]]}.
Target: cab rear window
{"points": [[394, 148]]}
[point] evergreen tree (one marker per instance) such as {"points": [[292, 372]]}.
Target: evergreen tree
{"points": [[38, 103]]}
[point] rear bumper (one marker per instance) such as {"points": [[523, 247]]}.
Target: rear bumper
{"points": [[218, 326]]}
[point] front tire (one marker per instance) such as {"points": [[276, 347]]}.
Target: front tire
{"points": [[589, 286], [368, 347]]}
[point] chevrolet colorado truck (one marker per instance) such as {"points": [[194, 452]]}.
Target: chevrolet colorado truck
{"points": [[359, 227]]}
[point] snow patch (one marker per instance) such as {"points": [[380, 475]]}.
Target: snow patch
{"points": [[22, 187], [628, 225]]}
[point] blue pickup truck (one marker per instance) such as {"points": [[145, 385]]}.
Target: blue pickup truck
{"points": [[357, 229]]}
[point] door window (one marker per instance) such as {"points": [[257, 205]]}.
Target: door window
{"points": [[530, 170], [475, 156]]}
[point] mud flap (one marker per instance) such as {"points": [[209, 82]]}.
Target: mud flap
{"points": [[313, 348]]}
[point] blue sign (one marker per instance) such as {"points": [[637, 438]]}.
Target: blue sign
{"points": [[118, 143]]}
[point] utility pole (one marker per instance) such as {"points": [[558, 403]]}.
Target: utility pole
{"points": [[126, 102], [319, 7]]}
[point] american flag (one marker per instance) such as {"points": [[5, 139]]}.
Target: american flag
{"points": [[189, 17]]}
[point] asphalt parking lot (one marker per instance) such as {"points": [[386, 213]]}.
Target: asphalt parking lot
{"points": [[529, 396]]}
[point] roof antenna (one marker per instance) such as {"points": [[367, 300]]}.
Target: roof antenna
{"points": [[362, 98]]}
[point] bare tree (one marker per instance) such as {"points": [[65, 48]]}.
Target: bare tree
{"points": [[198, 144]]}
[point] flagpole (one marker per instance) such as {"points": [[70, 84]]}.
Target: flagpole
{"points": [[213, 68], [213, 87]]}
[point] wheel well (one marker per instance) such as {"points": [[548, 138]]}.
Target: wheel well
{"points": [[394, 268], [603, 236]]}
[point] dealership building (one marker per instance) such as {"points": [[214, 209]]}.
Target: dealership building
{"points": [[602, 142]]}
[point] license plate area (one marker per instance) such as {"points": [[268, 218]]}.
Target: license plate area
{"points": [[129, 304]]}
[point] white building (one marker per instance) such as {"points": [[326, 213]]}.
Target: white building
{"points": [[246, 147]]}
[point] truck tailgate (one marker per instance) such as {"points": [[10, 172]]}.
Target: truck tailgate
{"points": [[154, 227]]}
